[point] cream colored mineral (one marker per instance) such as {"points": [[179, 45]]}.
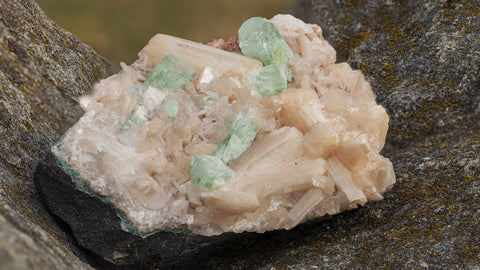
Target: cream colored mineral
{"points": [[315, 152]]}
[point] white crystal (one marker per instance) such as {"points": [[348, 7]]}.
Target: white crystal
{"points": [[207, 76], [316, 151], [152, 98]]}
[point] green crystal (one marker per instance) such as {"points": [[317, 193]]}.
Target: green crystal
{"points": [[138, 90], [260, 39], [171, 107], [171, 72], [239, 138], [138, 115], [208, 98], [268, 81], [209, 171]]}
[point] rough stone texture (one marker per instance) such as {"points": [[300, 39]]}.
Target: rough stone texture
{"points": [[422, 58], [42, 71]]}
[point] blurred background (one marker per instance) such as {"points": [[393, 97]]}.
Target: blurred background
{"points": [[118, 29]]}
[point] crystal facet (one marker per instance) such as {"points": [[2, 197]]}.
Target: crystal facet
{"points": [[260, 39], [209, 171], [240, 137], [268, 81], [138, 115], [171, 72], [171, 107]]}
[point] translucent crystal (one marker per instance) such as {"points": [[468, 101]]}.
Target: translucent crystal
{"points": [[171, 72], [171, 107], [304, 206], [343, 178], [137, 116], [239, 138], [208, 99], [209, 171], [268, 81], [151, 98], [260, 39], [300, 108], [197, 56]]}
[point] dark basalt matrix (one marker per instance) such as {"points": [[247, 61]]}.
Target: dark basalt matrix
{"points": [[422, 59]]}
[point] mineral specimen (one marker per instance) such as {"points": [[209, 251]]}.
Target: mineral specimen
{"points": [[194, 137]]}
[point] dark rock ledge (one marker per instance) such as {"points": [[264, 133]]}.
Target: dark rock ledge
{"points": [[422, 58]]}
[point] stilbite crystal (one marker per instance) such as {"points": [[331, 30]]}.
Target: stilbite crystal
{"points": [[196, 55], [163, 151]]}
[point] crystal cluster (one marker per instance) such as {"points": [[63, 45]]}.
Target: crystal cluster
{"points": [[262, 136]]}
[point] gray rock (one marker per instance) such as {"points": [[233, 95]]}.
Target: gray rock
{"points": [[422, 58], [43, 69]]}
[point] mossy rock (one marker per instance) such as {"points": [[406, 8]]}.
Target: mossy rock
{"points": [[422, 59], [43, 69]]}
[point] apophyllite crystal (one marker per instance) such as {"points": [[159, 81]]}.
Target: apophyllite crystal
{"points": [[261, 136]]}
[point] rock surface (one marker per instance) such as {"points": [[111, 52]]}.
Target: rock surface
{"points": [[422, 58], [42, 71]]}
